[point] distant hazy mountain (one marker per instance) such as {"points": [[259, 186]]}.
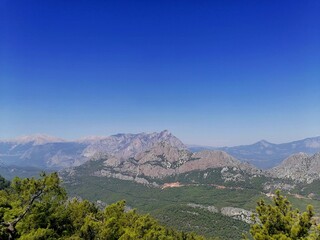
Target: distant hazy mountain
{"points": [[299, 167], [54, 153], [264, 154], [37, 139], [47, 155], [44, 151]]}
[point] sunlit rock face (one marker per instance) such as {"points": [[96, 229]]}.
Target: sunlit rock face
{"points": [[299, 167]]}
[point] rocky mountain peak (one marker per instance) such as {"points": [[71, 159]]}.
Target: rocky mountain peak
{"points": [[165, 133], [163, 159], [222, 158], [316, 155], [128, 145], [168, 137], [295, 158], [264, 143], [300, 167]]}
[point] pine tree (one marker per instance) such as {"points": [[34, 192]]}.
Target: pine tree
{"points": [[279, 221], [38, 209]]}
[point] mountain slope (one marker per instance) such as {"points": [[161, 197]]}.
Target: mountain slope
{"points": [[128, 145], [46, 152], [160, 161], [53, 155], [299, 167], [264, 154]]}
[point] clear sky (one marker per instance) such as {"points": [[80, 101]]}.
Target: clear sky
{"points": [[212, 72]]}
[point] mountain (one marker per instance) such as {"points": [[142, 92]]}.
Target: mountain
{"points": [[299, 167], [264, 154], [160, 161], [47, 152], [37, 139], [53, 155], [128, 145]]}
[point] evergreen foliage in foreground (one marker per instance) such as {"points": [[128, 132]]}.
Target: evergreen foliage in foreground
{"points": [[280, 221], [38, 209]]}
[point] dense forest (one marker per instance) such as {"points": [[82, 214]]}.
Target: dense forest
{"points": [[280, 221], [39, 209]]}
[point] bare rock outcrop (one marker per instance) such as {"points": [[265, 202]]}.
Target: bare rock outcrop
{"points": [[208, 159], [128, 145], [163, 160], [237, 213], [299, 167]]}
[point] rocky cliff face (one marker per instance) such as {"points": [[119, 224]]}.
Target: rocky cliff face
{"points": [[128, 145], [209, 159], [163, 160], [46, 152], [299, 167], [49, 152]]}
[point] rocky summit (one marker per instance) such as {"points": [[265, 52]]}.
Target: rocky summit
{"points": [[155, 155], [128, 145], [49, 152], [299, 167], [163, 160]]}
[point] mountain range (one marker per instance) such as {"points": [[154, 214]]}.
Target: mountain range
{"points": [[161, 161], [178, 184], [47, 152], [142, 156], [264, 154]]}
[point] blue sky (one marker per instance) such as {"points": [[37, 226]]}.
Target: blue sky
{"points": [[211, 72]]}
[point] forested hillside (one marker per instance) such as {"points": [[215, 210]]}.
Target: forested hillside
{"points": [[33, 209], [39, 209]]}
